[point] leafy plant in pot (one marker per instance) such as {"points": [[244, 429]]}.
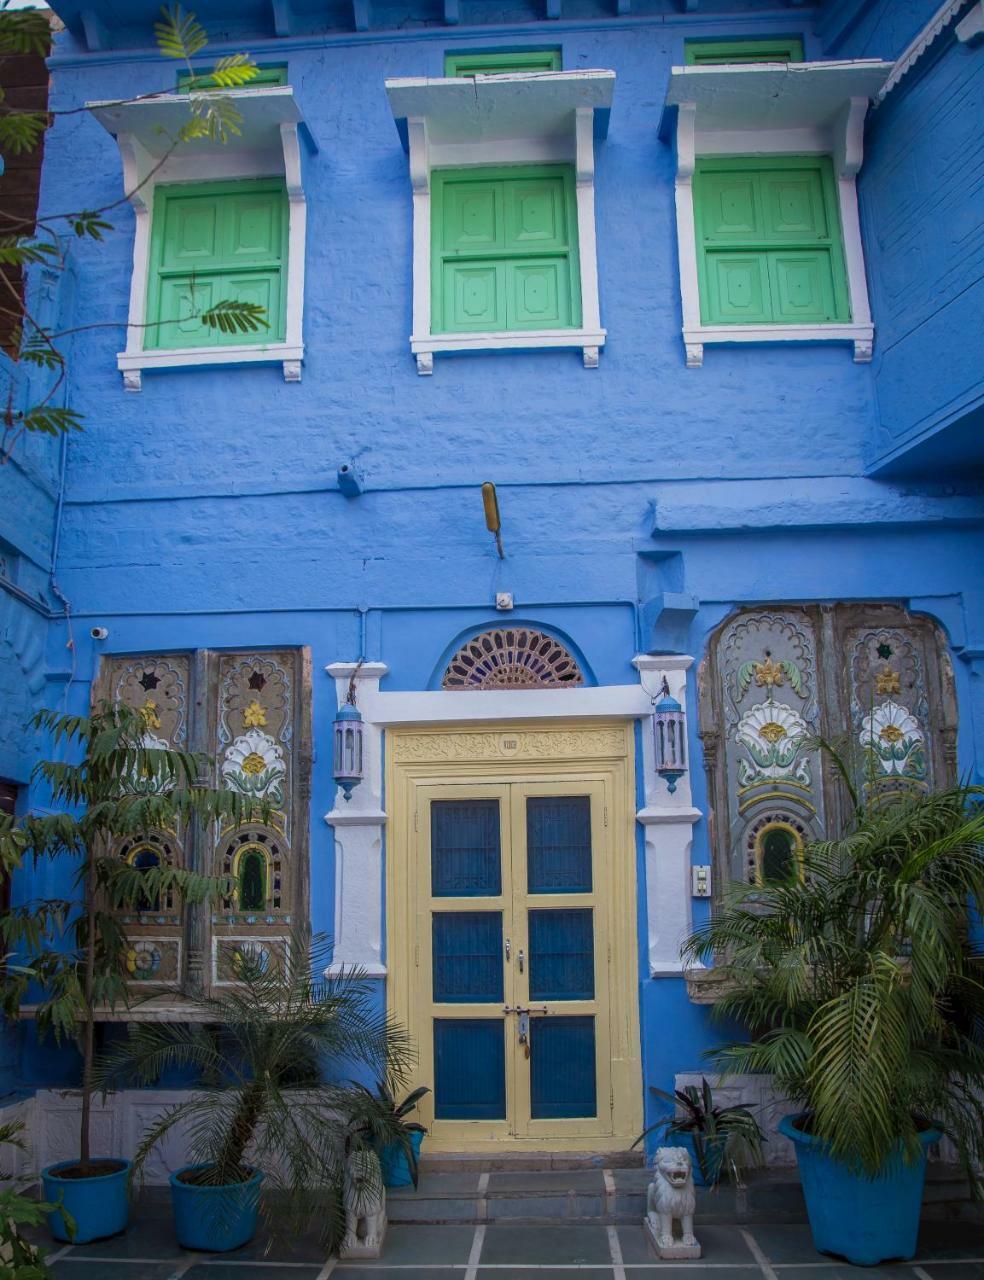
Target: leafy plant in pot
{"points": [[272, 1116], [124, 783], [716, 1137], [856, 980], [377, 1116]]}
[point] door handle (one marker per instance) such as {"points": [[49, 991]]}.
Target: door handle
{"points": [[508, 950], [521, 960]]}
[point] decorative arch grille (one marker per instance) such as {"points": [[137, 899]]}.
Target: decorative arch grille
{"points": [[512, 658], [778, 678]]}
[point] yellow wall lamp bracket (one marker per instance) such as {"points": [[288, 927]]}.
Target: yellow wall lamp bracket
{"points": [[492, 521]]}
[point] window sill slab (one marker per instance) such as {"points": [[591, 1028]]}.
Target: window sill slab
{"points": [[132, 363], [861, 335], [590, 342], [706, 985], [171, 1007]]}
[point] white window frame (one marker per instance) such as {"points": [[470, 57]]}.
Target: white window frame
{"points": [[445, 123], [270, 144], [772, 109]]}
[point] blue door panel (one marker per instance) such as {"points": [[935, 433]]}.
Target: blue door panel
{"points": [[561, 954], [558, 844], [469, 1069], [465, 849], [562, 1068], [467, 956]]}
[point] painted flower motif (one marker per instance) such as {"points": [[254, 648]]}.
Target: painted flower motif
{"points": [[143, 960], [772, 732], [893, 737], [254, 765], [254, 717]]}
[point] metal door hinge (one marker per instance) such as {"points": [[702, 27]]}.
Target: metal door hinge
{"points": [[606, 815], [416, 820], [611, 1098], [416, 954]]}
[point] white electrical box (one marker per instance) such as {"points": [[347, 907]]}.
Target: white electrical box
{"points": [[701, 879], [503, 601]]}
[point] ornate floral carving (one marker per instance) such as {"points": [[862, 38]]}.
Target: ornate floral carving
{"points": [[254, 765], [772, 734], [558, 744], [893, 741]]}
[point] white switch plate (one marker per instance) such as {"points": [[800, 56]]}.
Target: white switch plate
{"points": [[701, 881]]}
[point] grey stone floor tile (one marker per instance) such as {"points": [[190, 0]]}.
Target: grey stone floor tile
{"points": [[546, 1184], [683, 1271], [244, 1271], [950, 1240], [145, 1238], [787, 1242], [438, 1184], [427, 1244], [955, 1270], [373, 1271], [92, 1270], [534, 1245], [718, 1244], [560, 1273], [847, 1271], [269, 1246]]}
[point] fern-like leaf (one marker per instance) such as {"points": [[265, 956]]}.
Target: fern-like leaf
{"points": [[24, 31], [20, 131], [235, 317], [179, 34], [233, 72]]}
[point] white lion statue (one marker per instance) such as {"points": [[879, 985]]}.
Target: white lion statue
{"points": [[671, 1195], [365, 1205]]}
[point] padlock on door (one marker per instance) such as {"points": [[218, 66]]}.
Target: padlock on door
{"points": [[524, 1032]]}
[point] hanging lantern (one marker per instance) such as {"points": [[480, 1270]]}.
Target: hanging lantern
{"points": [[348, 758], [669, 737]]}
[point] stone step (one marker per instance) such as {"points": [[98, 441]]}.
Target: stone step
{"points": [[481, 1194]]}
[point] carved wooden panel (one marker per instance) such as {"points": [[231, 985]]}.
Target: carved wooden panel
{"points": [[873, 678], [159, 688]]}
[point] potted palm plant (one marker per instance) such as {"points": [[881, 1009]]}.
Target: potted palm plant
{"points": [[857, 981], [716, 1137], [272, 1116], [377, 1116], [120, 786]]}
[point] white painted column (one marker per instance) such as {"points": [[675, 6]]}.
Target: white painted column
{"points": [[358, 825], [668, 821]]}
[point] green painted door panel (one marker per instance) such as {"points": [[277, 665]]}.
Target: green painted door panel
{"points": [[216, 242], [504, 249], [769, 247], [490, 64], [699, 53]]}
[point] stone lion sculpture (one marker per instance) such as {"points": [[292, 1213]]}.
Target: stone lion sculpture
{"points": [[365, 1206], [671, 1196]]}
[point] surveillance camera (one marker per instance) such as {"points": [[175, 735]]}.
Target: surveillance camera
{"points": [[99, 633]]}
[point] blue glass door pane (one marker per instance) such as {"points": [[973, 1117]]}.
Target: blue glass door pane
{"points": [[467, 956], [562, 1068], [465, 850], [469, 1069], [561, 954], [558, 844]]}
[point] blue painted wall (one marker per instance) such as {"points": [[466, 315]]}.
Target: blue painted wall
{"points": [[640, 502]]}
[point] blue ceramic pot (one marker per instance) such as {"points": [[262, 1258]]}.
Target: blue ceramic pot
{"points": [[99, 1206], [395, 1165], [865, 1220], [214, 1219], [713, 1156]]}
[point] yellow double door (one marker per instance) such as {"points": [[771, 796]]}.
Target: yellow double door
{"points": [[517, 930]]}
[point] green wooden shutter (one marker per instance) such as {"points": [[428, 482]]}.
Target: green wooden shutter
{"points": [[495, 63], [702, 53], [264, 78], [504, 250], [216, 242], [769, 244]]}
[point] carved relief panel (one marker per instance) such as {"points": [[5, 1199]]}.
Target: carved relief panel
{"points": [[158, 687], [873, 678], [250, 714]]}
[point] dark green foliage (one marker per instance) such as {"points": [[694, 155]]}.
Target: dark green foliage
{"points": [[380, 1120], [271, 1040], [732, 1129], [235, 317], [22, 1260], [858, 982]]}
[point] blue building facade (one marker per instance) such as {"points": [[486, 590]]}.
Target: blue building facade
{"points": [[778, 513]]}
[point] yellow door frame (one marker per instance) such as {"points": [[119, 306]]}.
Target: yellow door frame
{"points": [[536, 757]]}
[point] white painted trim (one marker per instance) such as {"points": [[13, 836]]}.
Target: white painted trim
{"points": [[971, 27], [132, 365], [269, 113], [467, 706], [842, 138], [913, 51], [447, 122], [357, 818]]}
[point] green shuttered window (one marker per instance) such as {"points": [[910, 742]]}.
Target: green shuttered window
{"points": [[216, 242], [769, 244], [705, 53], [504, 250], [490, 64]]}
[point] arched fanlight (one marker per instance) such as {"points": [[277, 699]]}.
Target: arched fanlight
{"points": [[669, 737]]}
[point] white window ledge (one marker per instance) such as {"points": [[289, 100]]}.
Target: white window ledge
{"points": [[861, 335], [590, 343], [543, 117], [133, 363], [772, 109], [273, 139]]}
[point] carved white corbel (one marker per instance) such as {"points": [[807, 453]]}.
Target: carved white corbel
{"points": [[849, 138]]}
